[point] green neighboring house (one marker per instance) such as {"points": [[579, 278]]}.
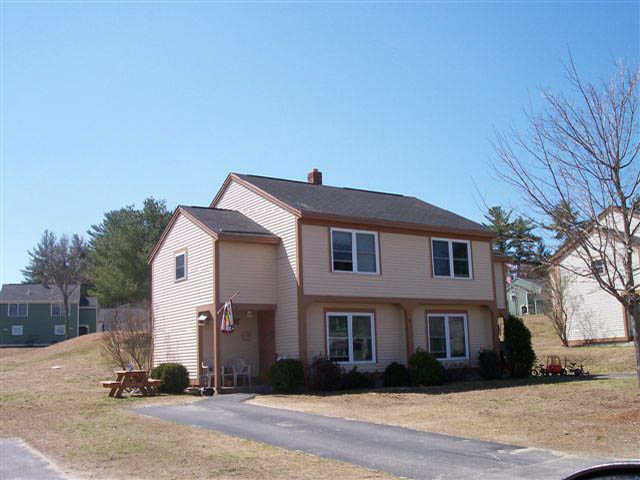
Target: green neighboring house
{"points": [[32, 314], [525, 297]]}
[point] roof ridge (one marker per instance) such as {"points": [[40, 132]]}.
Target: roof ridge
{"points": [[323, 185], [210, 208]]}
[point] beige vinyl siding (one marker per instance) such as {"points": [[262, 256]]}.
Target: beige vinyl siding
{"points": [[405, 265], [283, 224], [478, 324], [250, 269], [500, 284], [174, 303], [389, 326], [595, 314]]}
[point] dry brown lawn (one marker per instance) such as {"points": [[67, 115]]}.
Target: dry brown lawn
{"points": [[65, 414], [599, 417], [609, 358]]}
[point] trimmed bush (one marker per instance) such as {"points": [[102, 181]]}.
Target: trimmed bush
{"points": [[425, 369], [396, 375], [174, 376], [518, 350], [286, 376], [490, 364], [355, 380], [324, 375]]}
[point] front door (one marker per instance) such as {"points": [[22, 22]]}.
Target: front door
{"points": [[266, 340]]}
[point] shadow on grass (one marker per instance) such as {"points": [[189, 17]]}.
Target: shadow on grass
{"points": [[466, 386]]}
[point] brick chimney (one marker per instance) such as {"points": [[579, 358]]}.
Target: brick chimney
{"points": [[314, 177]]}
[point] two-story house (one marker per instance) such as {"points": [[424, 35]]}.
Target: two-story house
{"points": [[32, 314], [361, 277]]}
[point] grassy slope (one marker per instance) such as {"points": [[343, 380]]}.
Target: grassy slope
{"points": [[612, 358], [65, 414]]}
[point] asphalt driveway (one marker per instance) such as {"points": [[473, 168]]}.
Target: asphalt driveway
{"points": [[20, 462], [399, 451]]}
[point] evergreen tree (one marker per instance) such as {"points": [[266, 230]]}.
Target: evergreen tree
{"points": [[119, 247]]}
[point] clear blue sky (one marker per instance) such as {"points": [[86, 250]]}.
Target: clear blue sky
{"points": [[104, 104]]}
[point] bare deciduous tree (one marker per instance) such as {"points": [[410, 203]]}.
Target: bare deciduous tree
{"points": [[577, 167], [128, 341], [561, 307]]}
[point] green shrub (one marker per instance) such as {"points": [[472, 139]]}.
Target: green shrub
{"points": [[286, 376], [175, 377], [355, 380], [518, 350], [425, 369], [490, 364], [324, 375], [396, 375]]}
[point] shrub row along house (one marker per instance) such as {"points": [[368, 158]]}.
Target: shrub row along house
{"points": [[33, 315], [363, 278]]}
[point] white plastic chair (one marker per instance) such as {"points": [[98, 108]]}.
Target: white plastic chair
{"points": [[207, 374], [235, 368]]}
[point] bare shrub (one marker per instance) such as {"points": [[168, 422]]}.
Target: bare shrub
{"points": [[128, 341]]}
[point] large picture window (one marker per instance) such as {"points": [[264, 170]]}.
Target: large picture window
{"points": [[17, 309], [181, 266], [451, 258], [354, 251], [351, 337], [447, 335]]}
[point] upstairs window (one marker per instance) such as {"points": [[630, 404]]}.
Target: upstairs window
{"points": [[181, 266], [56, 309], [598, 266], [354, 251], [451, 258], [17, 309]]}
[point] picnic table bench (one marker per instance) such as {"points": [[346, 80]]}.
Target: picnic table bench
{"points": [[130, 380]]}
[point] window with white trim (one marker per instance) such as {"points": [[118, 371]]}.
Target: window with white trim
{"points": [[351, 337], [56, 310], [59, 329], [181, 266], [17, 330], [354, 251], [451, 258], [18, 310], [447, 336], [598, 266]]}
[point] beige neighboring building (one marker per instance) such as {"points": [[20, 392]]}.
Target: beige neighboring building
{"points": [[595, 315], [361, 277]]}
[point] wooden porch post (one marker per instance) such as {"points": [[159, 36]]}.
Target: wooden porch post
{"points": [[494, 328], [216, 353], [407, 310]]}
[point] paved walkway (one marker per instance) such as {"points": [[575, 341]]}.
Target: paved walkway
{"points": [[20, 462], [399, 451]]}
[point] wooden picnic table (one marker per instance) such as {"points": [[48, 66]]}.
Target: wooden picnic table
{"points": [[129, 380]]}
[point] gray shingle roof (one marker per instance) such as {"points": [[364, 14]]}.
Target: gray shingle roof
{"points": [[363, 204], [34, 292], [227, 221]]}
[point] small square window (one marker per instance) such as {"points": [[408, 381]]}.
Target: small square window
{"points": [[17, 330], [181, 266], [56, 309], [59, 330]]}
